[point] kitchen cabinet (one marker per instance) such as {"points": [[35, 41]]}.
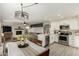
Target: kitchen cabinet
{"points": [[74, 41], [45, 39], [51, 38], [55, 26], [42, 38], [71, 40], [56, 37]]}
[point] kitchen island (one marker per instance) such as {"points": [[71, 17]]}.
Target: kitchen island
{"points": [[31, 50]]}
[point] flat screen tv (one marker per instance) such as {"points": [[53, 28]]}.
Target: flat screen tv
{"points": [[7, 29], [18, 32]]}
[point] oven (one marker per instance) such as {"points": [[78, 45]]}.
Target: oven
{"points": [[64, 38]]}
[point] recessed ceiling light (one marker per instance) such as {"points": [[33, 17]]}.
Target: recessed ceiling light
{"points": [[58, 15]]}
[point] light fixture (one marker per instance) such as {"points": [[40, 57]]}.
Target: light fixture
{"points": [[22, 14], [25, 23]]}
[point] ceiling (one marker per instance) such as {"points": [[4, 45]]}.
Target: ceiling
{"points": [[41, 12]]}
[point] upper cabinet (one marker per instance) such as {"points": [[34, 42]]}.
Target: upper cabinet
{"points": [[73, 24], [55, 25]]}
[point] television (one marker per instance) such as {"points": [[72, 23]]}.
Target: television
{"points": [[7, 29]]}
